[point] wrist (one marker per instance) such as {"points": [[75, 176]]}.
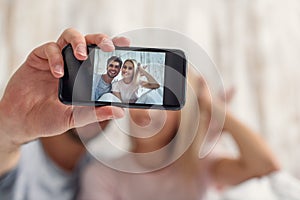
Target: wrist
{"points": [[219, 114], [9, 152], [6, 142], [229, 121], [9, 159]]}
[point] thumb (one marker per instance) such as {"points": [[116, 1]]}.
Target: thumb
{"points": [[86, 115]]}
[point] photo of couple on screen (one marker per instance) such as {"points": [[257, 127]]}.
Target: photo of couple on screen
{"points": [[128, 77]]}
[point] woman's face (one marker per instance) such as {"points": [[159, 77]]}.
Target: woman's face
{"points": [[128, 70], [153, 129]]}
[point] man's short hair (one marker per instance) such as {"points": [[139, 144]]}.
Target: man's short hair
{"points": [[114, 59]]}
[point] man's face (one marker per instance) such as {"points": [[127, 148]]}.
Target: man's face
{"points": [[113, 69]]}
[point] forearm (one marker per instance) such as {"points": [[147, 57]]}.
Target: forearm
{"points": [[151, 82], [8, 160], [255, 155], [9, 152]]}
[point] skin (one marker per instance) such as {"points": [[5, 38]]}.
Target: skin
{"points": [[151, 83], [255, 157], [39, 113], [127, 72], [153, 128], [69, 147], [113, 69]]}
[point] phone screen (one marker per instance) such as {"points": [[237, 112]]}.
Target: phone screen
{"points": [[134, 76], [128, 77]]}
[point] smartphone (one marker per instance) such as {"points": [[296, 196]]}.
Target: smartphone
{"points": [[133, 77]]}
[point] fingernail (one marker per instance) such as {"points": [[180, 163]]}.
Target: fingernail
{"points": [[81, 50], [58, 69], [107, 42]]}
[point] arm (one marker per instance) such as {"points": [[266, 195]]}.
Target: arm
{"points": [[255, 157], [9, 153], [151, 83], [39, 113]]}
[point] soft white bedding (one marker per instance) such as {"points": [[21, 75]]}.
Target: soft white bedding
{"points": [[276, 186]]}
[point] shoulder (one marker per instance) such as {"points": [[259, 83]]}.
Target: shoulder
{"points": [[116, 84], [36, 174]]}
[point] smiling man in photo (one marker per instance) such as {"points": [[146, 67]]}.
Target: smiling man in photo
{"points": [[113, 67]]}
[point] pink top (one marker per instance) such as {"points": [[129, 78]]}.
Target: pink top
{"points": [[102, 182]]}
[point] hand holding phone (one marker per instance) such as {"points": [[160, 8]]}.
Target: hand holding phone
{"points": [[119, 78]]}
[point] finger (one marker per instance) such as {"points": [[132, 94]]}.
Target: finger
{"points": [[50, 53], [77, 40], [121, 41], [55, 60], [101, 40], [111, 112], [82, 116]]}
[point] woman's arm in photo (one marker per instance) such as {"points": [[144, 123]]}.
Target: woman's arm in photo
{"points": [[151, 83]]}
